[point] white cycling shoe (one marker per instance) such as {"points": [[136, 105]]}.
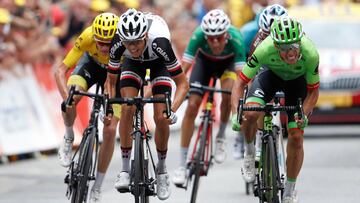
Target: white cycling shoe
{"points": [[64, 153], [95, 195], [179, 177], [122, 181], [248, 168], [291, 199], [163, 186], [220, 150]]}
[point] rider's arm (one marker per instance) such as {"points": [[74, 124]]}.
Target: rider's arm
{"points": [[238, 44], [60, 79], [182, 87], [312, 79], [110, 84], [192, 48], [186, 66], [310, 100], [70, 60], [174, 68], [237, 93]]}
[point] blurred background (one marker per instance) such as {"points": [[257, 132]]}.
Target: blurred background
{"points": [[35, 35]]}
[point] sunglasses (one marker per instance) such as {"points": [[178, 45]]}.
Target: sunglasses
{"points": [[288, 47], [215, 37], [132, 42], [103, 43]]}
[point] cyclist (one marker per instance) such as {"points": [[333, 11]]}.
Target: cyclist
{"points": [[218, 50], [266, 18], [90, 54], [143, 41], [290, 61]]}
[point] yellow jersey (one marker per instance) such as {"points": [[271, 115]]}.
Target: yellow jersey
{"points": [[85, 43]]}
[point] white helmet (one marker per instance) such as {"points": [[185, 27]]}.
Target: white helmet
{"points": [[215, 22], [132, 25], [268, 15]]}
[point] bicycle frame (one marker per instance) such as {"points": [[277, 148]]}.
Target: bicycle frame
{"points": [[269, 181], [84, 162], [141, 184], [201, 157]]}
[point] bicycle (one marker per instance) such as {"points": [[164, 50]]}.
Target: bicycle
{"points": [[269, 181], [83, 165], [142, 182], [202, 153]]}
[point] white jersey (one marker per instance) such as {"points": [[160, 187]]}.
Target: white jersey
{"points": [[158, 46]]}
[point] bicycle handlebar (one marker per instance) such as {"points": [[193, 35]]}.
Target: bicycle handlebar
{"points": [[269, 108], [209, 89], [73, 92], [141, 101]]}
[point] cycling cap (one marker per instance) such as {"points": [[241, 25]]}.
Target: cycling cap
{"points": [[286, 30], [215, 22], [268, 15], [132, 25], [104, 26]]}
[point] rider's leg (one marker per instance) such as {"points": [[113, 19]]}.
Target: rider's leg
{"points": [[126, 122], [188, 125], [106, 151], [125, 127], [162, 131], [64, 153], [294, 159], [225, 107]]}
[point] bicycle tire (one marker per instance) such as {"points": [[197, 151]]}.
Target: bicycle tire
{"points": [[83, 168], [271, 172], [198, 167], [139, 190]]}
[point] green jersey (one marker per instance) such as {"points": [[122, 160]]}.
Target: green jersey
{"points": [[233, 48], [267, 55]]}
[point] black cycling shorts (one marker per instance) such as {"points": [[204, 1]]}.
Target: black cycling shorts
{"points": [[133, 74], [204, 68], [266, 83]]}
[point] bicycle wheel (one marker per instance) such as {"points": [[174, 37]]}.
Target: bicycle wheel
{"points": [[199, 159], [271, 173], [83, 168], [138, 190]]}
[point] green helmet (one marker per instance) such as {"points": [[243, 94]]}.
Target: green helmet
{"points": [[286, 30]]}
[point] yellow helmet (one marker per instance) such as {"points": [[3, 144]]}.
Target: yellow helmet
{"points": [[104, 26]]}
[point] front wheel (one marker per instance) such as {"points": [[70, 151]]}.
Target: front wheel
{"points": [[139, 187], [199, 160], [83, 169], [271, 172]]}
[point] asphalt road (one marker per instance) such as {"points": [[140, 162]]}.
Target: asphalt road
{"points": [[330, 174]]}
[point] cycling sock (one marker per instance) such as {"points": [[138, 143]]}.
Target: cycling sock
{"points": [[289, 186], [240, 141], [259, 134], [69, 133], [98, 180], [250, 148], [183, 156], [221, 132], [126, 155], [161, 168]]}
